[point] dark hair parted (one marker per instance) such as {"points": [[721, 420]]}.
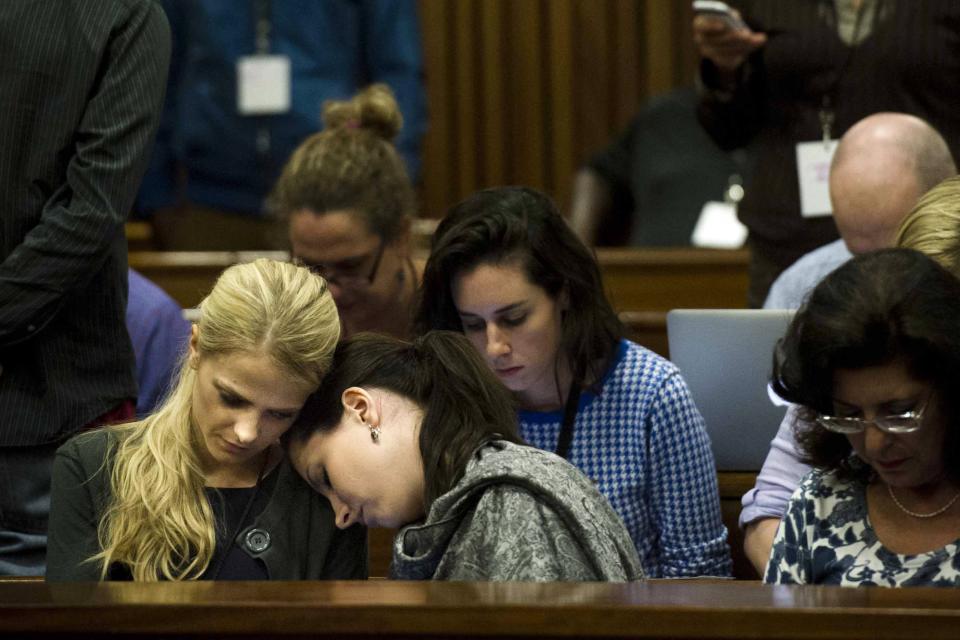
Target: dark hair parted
{"points": [[352, 165], [464, 404], [515, 223], [893, 304]]}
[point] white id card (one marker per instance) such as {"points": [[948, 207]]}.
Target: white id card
{"points": [[263, 85], [718, 227], [813, 171]]}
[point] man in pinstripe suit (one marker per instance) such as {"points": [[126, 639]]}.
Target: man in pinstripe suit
{"points": [[81, 87]]}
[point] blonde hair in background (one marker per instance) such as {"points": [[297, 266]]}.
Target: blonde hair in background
{"points": [[159, 522], [352, 165], [933, 226]]}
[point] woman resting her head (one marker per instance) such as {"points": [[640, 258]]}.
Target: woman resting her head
{"points": [[873, 358], [422, 436], [349, 203], [201, 489], [505, 270]]}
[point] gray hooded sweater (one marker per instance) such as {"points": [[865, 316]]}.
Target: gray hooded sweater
{"points": [[518, 513]]}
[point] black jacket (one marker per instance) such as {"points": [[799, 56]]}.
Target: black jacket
{"points": [[304, 543], [81, 88]]}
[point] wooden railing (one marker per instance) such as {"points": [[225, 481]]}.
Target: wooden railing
{"points": [[385, 609], [664, 279], [635, 279]]}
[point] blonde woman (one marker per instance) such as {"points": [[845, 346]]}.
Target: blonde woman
{"points": [[349, 203], [201, 489]]}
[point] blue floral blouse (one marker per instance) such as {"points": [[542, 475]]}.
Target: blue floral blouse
{"points": [[826, 538]]}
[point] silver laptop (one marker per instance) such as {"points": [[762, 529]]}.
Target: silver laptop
{"points": [[726, 357]]}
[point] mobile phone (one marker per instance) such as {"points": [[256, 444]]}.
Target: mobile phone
{"points": [[721, 10]]}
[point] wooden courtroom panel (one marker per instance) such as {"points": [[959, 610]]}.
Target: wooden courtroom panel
{"points": [[635, 279], [648, 329], [681, 278], [525, 92], [139, 236], [385, 609], [188, 276]]}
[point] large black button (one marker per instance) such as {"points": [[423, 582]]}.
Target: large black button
{"points": [[257, 540]]}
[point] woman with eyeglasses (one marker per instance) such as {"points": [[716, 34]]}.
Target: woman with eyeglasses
{"points": [[873, 358], [349, 205]]}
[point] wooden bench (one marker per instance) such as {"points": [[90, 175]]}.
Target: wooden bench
{"points": [[682, 278], [384, 609], [188, 276], [647, 328], [635, 279], [139, 236]]}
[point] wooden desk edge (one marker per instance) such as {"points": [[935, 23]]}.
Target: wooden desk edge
{"points": [[676, 609]]}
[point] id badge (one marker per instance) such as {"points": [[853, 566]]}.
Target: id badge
{"points": [[263, 85], [813, 172]]}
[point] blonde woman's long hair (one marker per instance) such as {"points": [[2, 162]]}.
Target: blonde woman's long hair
{"points": [[159, 522]]}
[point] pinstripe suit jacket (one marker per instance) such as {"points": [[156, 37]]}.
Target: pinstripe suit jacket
{"points": [[81, 87]]}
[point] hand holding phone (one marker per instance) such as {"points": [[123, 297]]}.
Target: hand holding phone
{"points": [[721, 11], [722, 36]]}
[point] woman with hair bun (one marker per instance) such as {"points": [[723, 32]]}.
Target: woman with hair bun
{"points": [[349, 203], [201, 489], [423, 436]]}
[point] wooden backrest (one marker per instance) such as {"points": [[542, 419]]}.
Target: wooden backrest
{"points": [[635, 279]]}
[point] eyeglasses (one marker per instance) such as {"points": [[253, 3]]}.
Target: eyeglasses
{"points": [[906, 422], [347, 277]]}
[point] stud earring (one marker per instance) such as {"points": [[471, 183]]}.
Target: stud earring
{"points": [[375, 434]]}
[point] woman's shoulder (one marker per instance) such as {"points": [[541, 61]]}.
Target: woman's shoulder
{"points": [[640, 380], [89, 447], [635, 365], [292, 501], [826, 497], [520, 469], [824, 483]]}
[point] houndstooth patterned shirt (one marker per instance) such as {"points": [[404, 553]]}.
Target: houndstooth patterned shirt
{"points": [[643, 443]]}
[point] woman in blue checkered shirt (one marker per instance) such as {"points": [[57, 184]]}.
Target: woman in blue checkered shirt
{"points": [[506, 270]]}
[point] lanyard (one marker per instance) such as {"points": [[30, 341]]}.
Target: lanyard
{"points": [[262, 34], [569, 417], [262, 27], [828, 102]]}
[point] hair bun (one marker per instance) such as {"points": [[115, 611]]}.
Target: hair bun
{"points": [[374, 109]]}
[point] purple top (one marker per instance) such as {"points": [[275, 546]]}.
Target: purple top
{"points": [[779, 478], [159, 335]]}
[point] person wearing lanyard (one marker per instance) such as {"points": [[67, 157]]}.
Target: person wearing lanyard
{"points": [[201, 489], [507, 271], [247, 82], [793, 77]]}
